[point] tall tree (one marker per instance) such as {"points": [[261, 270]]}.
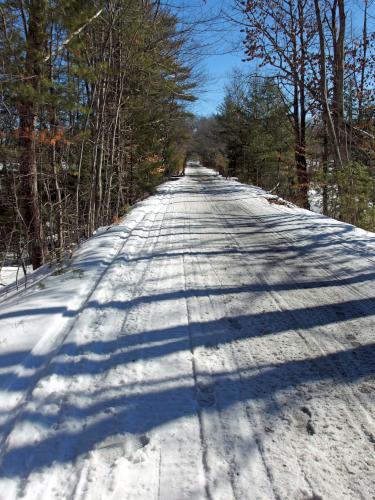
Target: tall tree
{"points": [[279, 33], [35, 50], [96, 111], [338, 27]]}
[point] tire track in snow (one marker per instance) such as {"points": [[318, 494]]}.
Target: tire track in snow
{"points": [[282, 305], [232, 359], [322, 265], [220, 434], [64, 334], [195, 376], [311, 344], [81, 489], [167, 276], [229, 435], [160, 272], [265, 283]]}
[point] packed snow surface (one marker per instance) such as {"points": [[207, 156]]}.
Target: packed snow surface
{"points": [[214, 345]]}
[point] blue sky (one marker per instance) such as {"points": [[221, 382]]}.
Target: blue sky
{"points": [[218, 69], [221, 51], [222, 43]]}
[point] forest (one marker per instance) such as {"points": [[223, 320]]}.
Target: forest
{"points": [[92, 117], [95, 112], [303, 123]]}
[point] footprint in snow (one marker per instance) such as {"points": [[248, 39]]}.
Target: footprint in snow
{"points": [[235, 323], [304, 495], [206, 395], [122, 445], [303, 420]]}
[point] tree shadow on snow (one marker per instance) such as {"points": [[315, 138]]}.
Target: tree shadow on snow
{"points": [[112, 414], [121, 410], [117, 410]]}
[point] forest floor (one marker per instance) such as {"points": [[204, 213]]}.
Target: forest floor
{"points": [[214, 345]]}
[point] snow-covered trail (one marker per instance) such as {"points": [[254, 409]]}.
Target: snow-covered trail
{"points": [[214, 345]]}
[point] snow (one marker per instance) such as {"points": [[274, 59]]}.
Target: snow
{"points": [[213, 345], [10, 274], [13, 284], [316, 199]]}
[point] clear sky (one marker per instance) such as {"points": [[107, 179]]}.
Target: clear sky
{"points": [[218, 69], [221, 42], [220, 47]]}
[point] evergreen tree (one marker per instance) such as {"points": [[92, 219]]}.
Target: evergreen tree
{"points": [[92, 96]]}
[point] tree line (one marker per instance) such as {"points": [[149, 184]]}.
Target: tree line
{"points": [[92, 116], [303, 120]]}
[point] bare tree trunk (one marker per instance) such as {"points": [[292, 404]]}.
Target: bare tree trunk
{"points": [[338, 75], [113, 145], [327, 115], [59, 208], [303, 178], [80, 163], [35, 42], [363, 64], [325, 169], [99, 183]]}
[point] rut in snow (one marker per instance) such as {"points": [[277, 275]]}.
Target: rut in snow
{"points": [[213, 345]]}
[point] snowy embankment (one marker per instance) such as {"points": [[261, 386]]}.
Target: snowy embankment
{"points": [[8, 275], [12, 278], [213, 345]]}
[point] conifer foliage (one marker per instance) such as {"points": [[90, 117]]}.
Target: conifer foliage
{"points": [[92, 117]]}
